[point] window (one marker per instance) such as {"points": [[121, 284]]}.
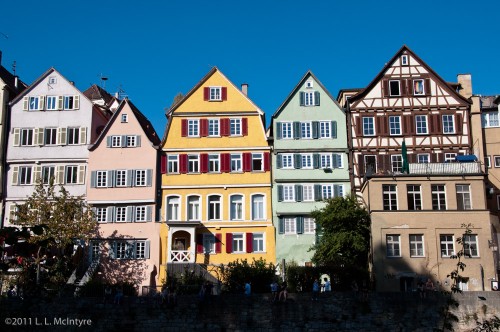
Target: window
{"points": [[470, 245], [74, 136], [309, 226], [236, 207], [393, 245], [290, 226], [421, 123], [50, 136], [325, 129], [308, 192], [101, 214], [102, 179], [140, 213], [258, 208], [370, 164], [193, 128], [394, 89], [116, 141], [395, 125], [71, 174], [173, 163], [287, 161], [193, 163], [121, 213], [258, 242], [463, 197], [325, 160], [404, 60], [140, 178], [396, 162], [235, 127], [213, 163], [215, 93], [286, 130], [307, 161], [235, 162], [309, 84], [423, 158], [448, 124], [51, 102], [173, 208], [326, 191], [257, 162], [34, 103], [193, 205], [121, 178], [238, 243], [209, 243], [390, 197], [70, 102], [449, 157], [438, 197], [487, 161], [131, 141], [124, 118], [140, 250], [214, 207], [414, 197], [416, 245], [490, 119], [305, 130], [121, 250], [26, 137], [213, 127], [25, 175], [130, 249], [309, 98], [48, 172], [447, 245], [289, 193], [368, 126], [418, 88]]}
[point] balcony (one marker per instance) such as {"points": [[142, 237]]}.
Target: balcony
{"points": [[181, 256], [428, 169]]}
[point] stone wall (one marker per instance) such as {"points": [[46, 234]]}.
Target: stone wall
{"points": [[334, 312]]}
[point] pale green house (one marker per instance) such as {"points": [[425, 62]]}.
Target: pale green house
{"points": [[308, 133]]}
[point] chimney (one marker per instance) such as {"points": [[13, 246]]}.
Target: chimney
{"points": [[72, 82], [244, 88], [465, 82], [16, 82]]}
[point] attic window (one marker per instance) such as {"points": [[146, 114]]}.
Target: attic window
{"points": [[124, 118], [52, 80], [404, 60], [309, 84]]}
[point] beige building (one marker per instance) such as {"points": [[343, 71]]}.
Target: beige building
{"points": [[416, 221]]}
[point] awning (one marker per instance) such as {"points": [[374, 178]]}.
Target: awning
{"points": [[470, 158]]}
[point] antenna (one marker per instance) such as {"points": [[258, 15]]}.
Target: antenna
{"points": [[14, 67], [121, 94], [103, 81]]}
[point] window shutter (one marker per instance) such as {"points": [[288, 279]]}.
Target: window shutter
{"points": [[149, 177], [39, 135], [60, 102], [296, 130], [60, 174], [278, 130], [184, 128], [378, 125], [434, 158], [83, 135], [301, 98], [247, 162], [225, 160], [163, 164], [203, 127], [244, 126], [267, 160], [458, 124], [280, 193], [108, 141], [15, 175], [138, 140], [76, 102], [123, 141], [183, 163], [427, 87], [385, 88], [93, 179], [298, 193], [361, 165], [281, 225], [17, 137], [81, 174], [300, 224], [315, 130], [112, 251], [61, 136], [249, 238], [25, 103], [204, 163], [334, 129], [359, 127], [317, 192], [41, 103], [129, 214], [316, 98], [110, 214], [147, 249], [37, 174], [199, 243], [130, 178], [279, 161], [206, 93], [315, 160], [224, 93], [297, 161], [218, 243], [403, 88], [337, 160], [110, 178], [224, 127], [229, 243], [337, 190]]}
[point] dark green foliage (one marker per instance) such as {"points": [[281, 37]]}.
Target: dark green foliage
{"points": [[259, 273], [489, 325]]}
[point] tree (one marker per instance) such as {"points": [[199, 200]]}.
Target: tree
{"points": [[344, 240]]}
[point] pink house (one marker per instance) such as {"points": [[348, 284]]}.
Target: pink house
{"points": [[122, 190]]}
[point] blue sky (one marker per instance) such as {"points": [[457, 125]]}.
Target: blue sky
{"points": [[156, 49]]}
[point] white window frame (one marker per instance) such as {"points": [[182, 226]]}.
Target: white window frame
{"points": [[193, 163], [390, 85], [173, 208], [449, 157], [141, 213], [258, 213], [389, 193], [124, 118], [395, 125], [101, 179], [27, 137], [259, 242], [236, 163], [34, 103], [101, 214], [193, 206], [173, 163], [239, 245], [325, 160], [71, 174], [209, 244], [256, 156], [368, 123], [25, 175], [309, 98], [288, 193], [235, 127], [325, 129], [140, 178], [306, 130], [423, 158], [116, 141], [418, 87], [496, 159], [213, 163], [448, 124], [444, 240], [309, 225], [287, 161], [438, 192], [69, 103], [396, 163], [306, 161], [215, 93], [464, 194], [327, 191], [48, 172], [488, 161], [290, 226], [121, 214], [131, 141], [73, 136], [51, 103], [214, 207], [140, 250], [121, 178], [421, 125], [414, 192], [236, 207], [193, 128], [417, 248], [50, 136], [286, 130], [307, 192], [404, 60], [491, 119], [213, 128], [471, 240], [393, 245]]}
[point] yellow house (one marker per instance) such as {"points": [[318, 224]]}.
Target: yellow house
{"points": [[216, 182]]}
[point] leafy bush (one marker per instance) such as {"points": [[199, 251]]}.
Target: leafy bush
{"points": [[235, 274]]}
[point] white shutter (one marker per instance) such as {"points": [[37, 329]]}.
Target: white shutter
{"points": [[83, 135], [76, 102], [25, 103], [39, 135], [37, 174], [61, 136], [59, 175], [15, 175], [17, 136], [60, 102], [81, 174], [41, 103]]}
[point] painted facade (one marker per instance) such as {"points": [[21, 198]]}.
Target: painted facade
{"points": [[51, 126], [122, 189], [309, 165], [217, 184]]}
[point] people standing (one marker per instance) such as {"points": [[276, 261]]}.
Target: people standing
{"points": [[328, 285], [248, 289], [315, 290], [274, 291], [283, 291]]}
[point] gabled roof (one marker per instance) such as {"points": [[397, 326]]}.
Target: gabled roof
{"points": [[146, 126], [381, 74], [96, 92], [10, 80]]}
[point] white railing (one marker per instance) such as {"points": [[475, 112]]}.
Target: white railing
{"points": [[445, 168], [181, 256]]}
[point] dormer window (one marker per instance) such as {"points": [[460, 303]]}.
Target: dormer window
{"points": [[309, 84], [124, 118], [404, 60]]}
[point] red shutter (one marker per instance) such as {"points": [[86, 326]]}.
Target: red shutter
{"points": [[385, 88], [224, 127], [459, 124], [206, 93], [224, 93], [218, 243], [229, 243], [184, 127], [267, 160], [163, 164], [204, 163], [244, 126], [225, 162], [247, 162], [183, 163], [199, 243], [249, 242], [203, 127], [359, 128]]}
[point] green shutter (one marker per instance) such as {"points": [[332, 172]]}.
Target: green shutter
{"points": [[316, 98], [334, 129], [280, 193], [301, 97], [296, 130], [315, 129], [279, 161], [317, 192], [297, 161], [281, 225], [300, 224], [278, 130], [298, 193], [315, 160]]}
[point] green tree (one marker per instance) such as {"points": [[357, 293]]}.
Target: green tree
{"points": [[344, 234]]}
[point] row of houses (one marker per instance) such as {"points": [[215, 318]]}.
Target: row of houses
{"points": [[220, 185]]}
